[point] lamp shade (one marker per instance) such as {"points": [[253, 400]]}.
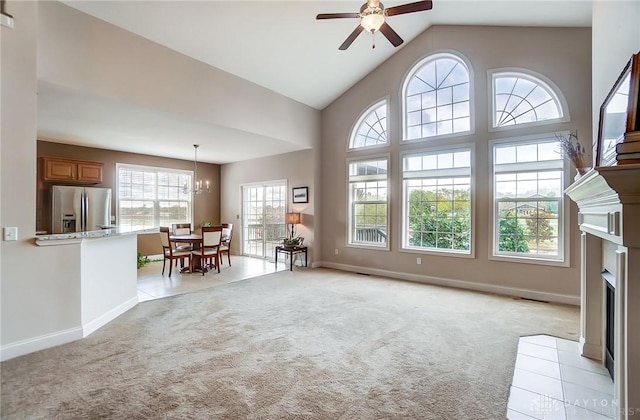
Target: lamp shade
{"points": [[293, 218], [372, 22]]}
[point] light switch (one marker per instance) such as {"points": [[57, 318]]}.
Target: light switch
{"points": [[11, 234]]}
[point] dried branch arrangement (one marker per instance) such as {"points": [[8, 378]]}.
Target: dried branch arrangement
{"points": [[572, 150]]}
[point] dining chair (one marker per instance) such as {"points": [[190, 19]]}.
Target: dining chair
{"points": [[170, 253], [227, 234], [209, 251], [181, 229]]}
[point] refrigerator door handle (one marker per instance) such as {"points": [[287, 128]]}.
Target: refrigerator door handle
{"points": [[83, 212], [86, 211]]}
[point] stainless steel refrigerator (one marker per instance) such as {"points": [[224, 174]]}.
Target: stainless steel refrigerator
{"points": [[80, 209]]}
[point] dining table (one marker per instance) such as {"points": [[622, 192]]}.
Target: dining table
{"points": [[195, 239]]}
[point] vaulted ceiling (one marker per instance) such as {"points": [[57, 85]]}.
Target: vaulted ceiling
{"points": [[281, 46]]}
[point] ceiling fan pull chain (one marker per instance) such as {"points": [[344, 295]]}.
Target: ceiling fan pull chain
{"points": [[373, 39]]}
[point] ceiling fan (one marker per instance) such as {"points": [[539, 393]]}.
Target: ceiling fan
{"points": [[372, 18]]}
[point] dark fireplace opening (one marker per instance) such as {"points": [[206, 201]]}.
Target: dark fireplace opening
{"points": [[609, 321]]}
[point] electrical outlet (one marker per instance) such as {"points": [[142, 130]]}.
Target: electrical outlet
{"points": [[11, 234], [6, 20], [419, 260], [336, 251]]}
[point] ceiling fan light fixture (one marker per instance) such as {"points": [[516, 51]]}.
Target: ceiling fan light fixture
{"points": [[372, 19], [372, 22]]}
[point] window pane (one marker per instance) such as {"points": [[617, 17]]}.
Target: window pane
{"points": [[529, 201], [152, 197], [505, 155], [438, 209], [521, 98], [372, 129], [443, 84], [368, 201]]}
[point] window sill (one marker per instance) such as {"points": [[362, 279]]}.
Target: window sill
{"points": [[456, 254], [529, 260], [384, 247]]}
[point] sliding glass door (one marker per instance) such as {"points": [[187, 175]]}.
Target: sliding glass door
{"points": [[263, 223]]}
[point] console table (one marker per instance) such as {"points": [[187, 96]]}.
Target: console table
{"points": [[291, 250]]}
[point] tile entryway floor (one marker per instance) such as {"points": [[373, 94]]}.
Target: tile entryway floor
{"points": [[153, 285], [552, 380]]}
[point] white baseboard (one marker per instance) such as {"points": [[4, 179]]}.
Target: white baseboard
{"points": [[460, 284], [46, 341], [42, 342], [109, 316], [590, 350]]}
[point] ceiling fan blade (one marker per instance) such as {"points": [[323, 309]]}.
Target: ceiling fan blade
{"points": [[418, 6], [337, 15], [351, 38], [391, 35]]}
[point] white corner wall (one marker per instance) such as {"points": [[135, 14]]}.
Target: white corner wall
{"points": [[615, 38], [34, 304], [108, 280]]}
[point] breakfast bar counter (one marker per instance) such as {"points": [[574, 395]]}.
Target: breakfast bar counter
{"points": [[99, 271]]}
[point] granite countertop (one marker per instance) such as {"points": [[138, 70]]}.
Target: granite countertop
{"points": [[74, 237]]}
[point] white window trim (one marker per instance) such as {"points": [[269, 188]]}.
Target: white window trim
{"points": [[149, 169], [239, 233], [403, 89], [348, 243], [403, 214], [563, 259], [532, 76], [364, 114]]}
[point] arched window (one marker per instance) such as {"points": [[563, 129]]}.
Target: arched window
{"points": [[524, 98], [371, 128], [436, 97]]}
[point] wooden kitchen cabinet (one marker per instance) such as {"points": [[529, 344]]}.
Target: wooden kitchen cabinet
{"points": [[90, 172], [70, 170]]}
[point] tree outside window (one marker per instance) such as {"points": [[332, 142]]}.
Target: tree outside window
{"points": [[437, 188]]}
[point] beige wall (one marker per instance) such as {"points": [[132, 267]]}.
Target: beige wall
{"points": [[561, 54], [33, 304], [83, 53], [297, 168], [207, 206]]}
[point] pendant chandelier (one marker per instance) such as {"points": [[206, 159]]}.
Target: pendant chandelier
{"points": [[197, 187]]}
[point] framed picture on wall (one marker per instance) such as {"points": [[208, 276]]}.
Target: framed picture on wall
{"points": [[619, 113], [300, 194]]}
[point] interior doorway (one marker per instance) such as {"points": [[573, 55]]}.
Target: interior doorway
{"points": [[264, 206]]}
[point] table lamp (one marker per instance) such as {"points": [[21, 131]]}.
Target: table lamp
{"points": [[293, 219]]}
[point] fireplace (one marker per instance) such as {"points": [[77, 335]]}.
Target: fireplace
{"points": [[609, 320], [608, 200]]}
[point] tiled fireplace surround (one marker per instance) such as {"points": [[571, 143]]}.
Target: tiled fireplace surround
{"points": [[608, 199]]}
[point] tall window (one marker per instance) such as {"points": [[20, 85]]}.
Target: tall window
{"points": [[437, 200], [437, 98], [521, 98], [371, 129], [368, 212], [150, 197], [528, 180]]}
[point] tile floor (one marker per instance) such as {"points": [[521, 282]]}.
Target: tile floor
{"points": [[552, 380], [153, 285]]}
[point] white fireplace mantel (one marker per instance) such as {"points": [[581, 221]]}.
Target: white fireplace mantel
{"points": [[608, 200]]}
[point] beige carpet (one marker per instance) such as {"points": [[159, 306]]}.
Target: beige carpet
{"points": [[309, 344]]}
